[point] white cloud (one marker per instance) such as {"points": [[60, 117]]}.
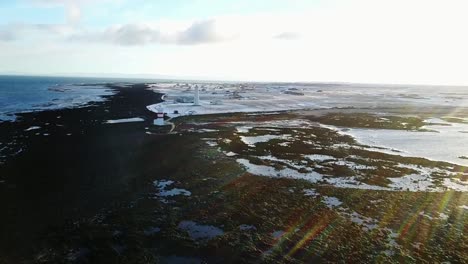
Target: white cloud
{"points": [[6, 35], [396, 41], [36, 32], [199, 32]]}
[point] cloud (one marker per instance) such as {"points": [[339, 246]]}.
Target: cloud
{"points": [[17, 31], [141, 34], [6, 35], [127, 35], [199, 32], [287, 36]]}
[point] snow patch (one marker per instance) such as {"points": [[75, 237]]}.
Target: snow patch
{"points": [[278, 234], [252, 140], [163, 192], [331, 202], [318, 157], [244, 227], [310, 192], [212, 143], [33, 128], [150, 231], [446, 145], [125, 120], [200, 232]]}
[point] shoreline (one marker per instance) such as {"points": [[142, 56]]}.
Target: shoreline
{"points": [[27, 94], [61, 170], [102, 183]]}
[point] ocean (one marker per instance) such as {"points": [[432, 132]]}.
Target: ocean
{"points": [[30, 93]]}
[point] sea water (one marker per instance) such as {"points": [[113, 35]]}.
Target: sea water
{"points": [[26, 93]]}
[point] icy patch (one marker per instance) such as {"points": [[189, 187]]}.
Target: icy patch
{"points": [[230, 154], [443, 216], [341, 145], [162, 184], [274, 124], [318, 157], [421, 169], [310, 192], [457, 186], [243, 129], [163, 192], [33, 128], [277, 234], [284, 161], [423, 181], [352, 183], [331, 202], [268, 171], [212, 143], [391, 243], [311, 176], [294, 123], [200, 232], [353, 165], [174, 192], [206, 130], [268, 129], [252, 140], [436, 121], [125, 120], [151, 231], [417, 245], [413, 183], [244, 227], [446, 145], [367, 223]]}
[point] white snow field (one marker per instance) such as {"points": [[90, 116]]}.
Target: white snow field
{"points": [[218, 98]]}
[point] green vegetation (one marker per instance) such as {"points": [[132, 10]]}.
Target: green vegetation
{"points": [[368, 226], [454, 120], [364, 120]]}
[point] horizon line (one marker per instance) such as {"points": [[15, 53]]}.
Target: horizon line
{"points": [[155, 77]]}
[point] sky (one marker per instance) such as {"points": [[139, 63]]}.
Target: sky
{"points": [[366, 41]]}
